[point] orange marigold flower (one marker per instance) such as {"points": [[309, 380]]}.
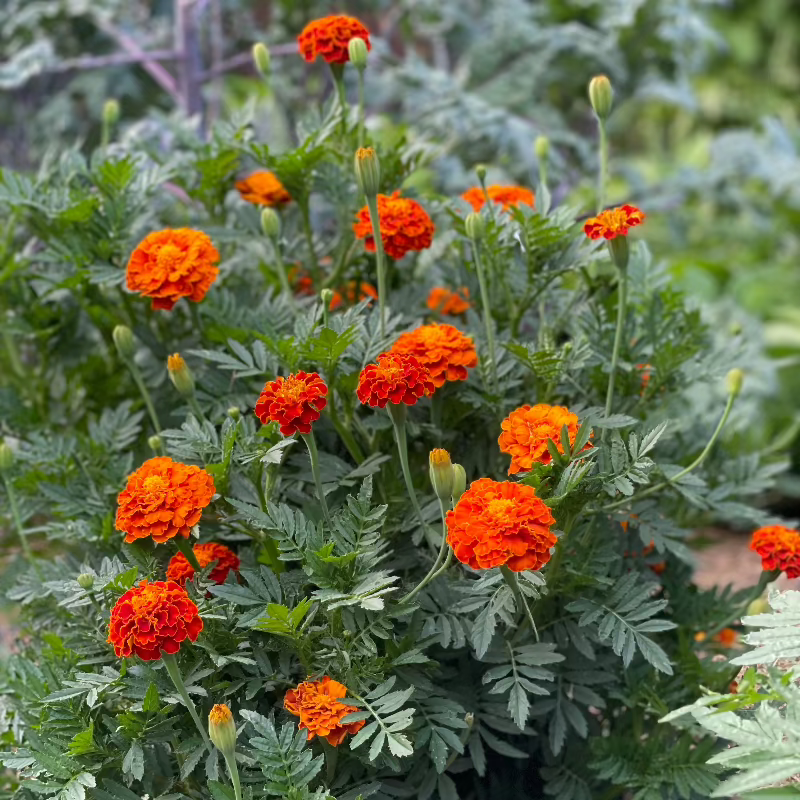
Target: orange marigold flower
{"points": [[779, 548], [394, 379], [405, 226], [443, 349], [301, 281], [153, 617], [173, 263], [506, 196], [727, 637], [527, 430], [446, 302], [294, 402], [646, 372], [180, 570], [496, 523], [353, 292], [263, 188], [163, 499], [614, 222], [329, 36], [319, 706]]}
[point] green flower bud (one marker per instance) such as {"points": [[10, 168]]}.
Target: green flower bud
{"points": [[541, 147], [155, 443], [234, 413], [459, 482], [440, 469], [270, 223], [110, 112], [261, 59], [326, 296], [758, 606], [736, 329], [734, 381], [180, 374], [222, 729], [368, 171], [620, 251], [123, 340], [86, 580], [601, 96], [475, 226], [6, 457], [480, 171], [357, 51]]}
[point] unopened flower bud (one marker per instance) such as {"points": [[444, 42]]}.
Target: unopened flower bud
{"points": [[86, 580], [734, 381], [620, 251], [469, 718], [736, 328], [541, 147], [326, 296], [440, 469], [180, 374], [475, 226], [480, 171], [6, 457], [357, 51], [222, 729], [368, 171], [758, 606], [459, 482], [270, 223], [234, 412], [261, 59], [123, 340], [110, 112], [601, 96], [155, 443]]}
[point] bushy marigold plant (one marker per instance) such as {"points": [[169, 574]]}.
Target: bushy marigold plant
{"points": [[389, 609]]}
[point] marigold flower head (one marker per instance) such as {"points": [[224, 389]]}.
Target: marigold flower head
{"points": [[180, 570], [163, 499], [262, 188], [443, 349], [501, 523], [506, 196], [645, 372], [153, 617], [351, 293], [301, 281], [527, 430], [329, 36], [395, 378], [319, 706], [614, 222], [294, 402], [779, 548], [727, 637], [405, 226], [444, 301], [174, 263]]}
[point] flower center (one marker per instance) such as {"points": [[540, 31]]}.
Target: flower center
{"points": [[615, 220], [292, 390], [154, 487], [170, 257], [500, 508]]}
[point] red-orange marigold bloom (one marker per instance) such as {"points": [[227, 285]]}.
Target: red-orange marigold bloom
{"points": [[727, 637], [173, 263], [319, 706], [614, 222], [446, 302], [263, 188], [153, 617], [779, 548], [180, 570], [501, 523], [394, 379], [163, 499], [294, 402], [351, 293], [506, 196], [443, 349], [527, 430], [329, 36], [405, 226], [646, 372], [301, 281]]}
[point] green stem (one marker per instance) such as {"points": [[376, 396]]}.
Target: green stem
{"points": [[309, 234], [603, 167], [338, 79], [313, 454], [397, 413], [344, 433], [693, 466], [195, 406], [621, 307], [185, 548], [380, 258], [513, 581], [148, 401], [17, 520], [233, 771], [283, 275], [361, 108], [440, 557], [487, 311], [13, 355], [171, 664]]}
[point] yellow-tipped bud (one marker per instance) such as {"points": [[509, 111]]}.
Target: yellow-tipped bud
{"points": [[123, 341], [368, 171], [758, 606], [734, 381], [6, 457], [440, 469], [180, 374], [459, 482], [110, 112], [155, 443], [270, 223], [480, 171], [86, 580], [475, 226], [541, 147], [261, 58], [222, 729], [601, 96], [357, 51], [325, 296]]}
